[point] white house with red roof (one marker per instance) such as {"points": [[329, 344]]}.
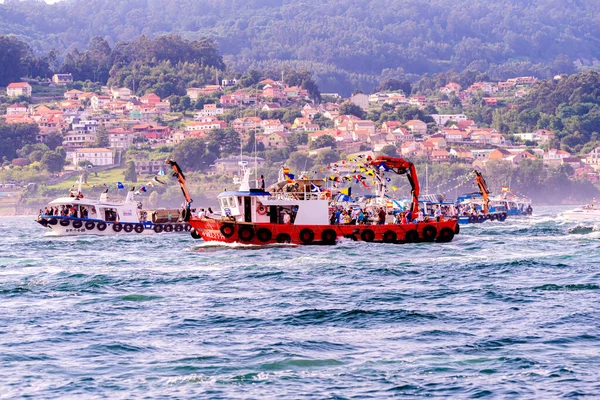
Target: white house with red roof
{"points": [[16, 109], [416, 126], [17, 89]]}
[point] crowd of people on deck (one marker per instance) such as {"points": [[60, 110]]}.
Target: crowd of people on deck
{"points": [[67, 210]]}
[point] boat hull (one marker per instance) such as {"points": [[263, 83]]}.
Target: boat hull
{"points": [[68, 226], [213, 230], [580, 214], [479, 219]]}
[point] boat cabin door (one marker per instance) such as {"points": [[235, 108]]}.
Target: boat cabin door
{"points": [[247, 209]]}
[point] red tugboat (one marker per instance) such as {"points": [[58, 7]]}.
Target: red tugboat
{"points": [[298, 212]]}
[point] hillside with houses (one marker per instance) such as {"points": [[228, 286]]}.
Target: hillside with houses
{"points": [[275, 123]]}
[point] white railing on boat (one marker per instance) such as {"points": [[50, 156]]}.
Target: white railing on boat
{"points": [[295, 196]]}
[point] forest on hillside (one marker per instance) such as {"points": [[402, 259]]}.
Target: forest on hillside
{"points": [[347, 44]]}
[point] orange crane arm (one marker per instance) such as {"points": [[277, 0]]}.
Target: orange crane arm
{"points": [[181, 178], [401, 167], [485, 193]]}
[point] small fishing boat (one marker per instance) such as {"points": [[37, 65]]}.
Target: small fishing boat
{"points": [[299, 212], [589, 212], [77, 215], [475, 208]]}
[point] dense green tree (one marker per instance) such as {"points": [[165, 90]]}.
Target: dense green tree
{"points": [[130, 175], [348, 108], [52, 162], [102, 140], [389, 150], [323, 141], [194, 155], [14, 136]]}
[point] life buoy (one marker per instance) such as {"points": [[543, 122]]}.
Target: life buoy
{"points": [[52, 221], [480, 218], [77, 224], [168, 228], [429, 233], [178, 228], [261, 209], [158, 228], [64, 222], [389, 237], [195, 234], [493, 217], [245, 233], [139, 228], [263, 234], [101, 226], [227, 230], [307, 236], [90, 225], [117, 227], [328, 236], [128, 228], [367, 235], [411, 236], [284, 238], [472, 219], [502, 217], [188, 228], [42, 221], [446, 235]]}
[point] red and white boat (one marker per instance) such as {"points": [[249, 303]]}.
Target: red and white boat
{"points": [[297, 213]]}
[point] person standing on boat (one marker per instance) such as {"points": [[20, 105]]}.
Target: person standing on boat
{"points": [[381, 216], [286, 218], [261, 183], [438, 213]]}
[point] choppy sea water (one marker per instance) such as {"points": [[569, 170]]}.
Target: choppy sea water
{"points": [[505, 310]]}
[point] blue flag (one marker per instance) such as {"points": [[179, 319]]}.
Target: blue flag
{"points": [[120, 185], [161, 172], [143, 189], [314, 188]]}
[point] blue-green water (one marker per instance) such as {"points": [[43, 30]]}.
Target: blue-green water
{"points": [[505, 310]]}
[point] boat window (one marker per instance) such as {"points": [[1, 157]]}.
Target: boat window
{"points": [[224, 202]]}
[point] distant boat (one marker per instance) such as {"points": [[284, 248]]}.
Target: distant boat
{"points": [[589, 212]]}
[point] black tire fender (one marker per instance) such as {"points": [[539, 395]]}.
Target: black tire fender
{"points": [[307, 236], [77, 224], [284, 238], [245, 233], [263, 234], [390, 237], [367, 235], [195, 234], [52, 221], [158, 228], [178, 228], [139, 228], [64, 222], [429, 233], [411, 236], [328, 236], [227, 230], [446, 235], [117, 227], [480, 218], [101, 226], [90, 225], [128, 228], [168, 228], [472, 219]]}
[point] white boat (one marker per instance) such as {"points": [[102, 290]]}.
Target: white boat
{"points": [[76, 215], [589, 212]]}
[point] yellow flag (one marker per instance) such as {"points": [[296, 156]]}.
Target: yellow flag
{"points": [[346, 191], [394, 188]]}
